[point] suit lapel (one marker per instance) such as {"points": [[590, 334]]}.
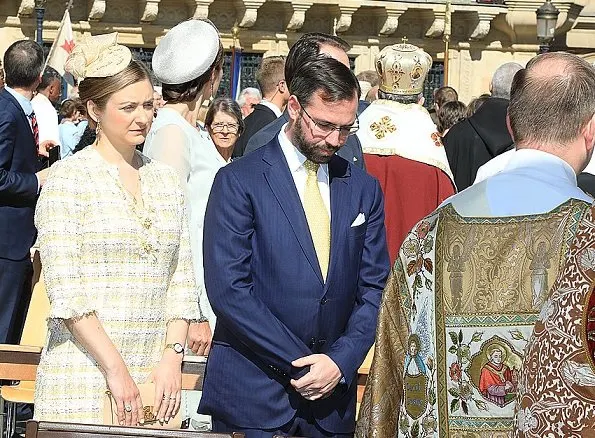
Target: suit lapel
{"points": [[281, 184], [340, 190]]}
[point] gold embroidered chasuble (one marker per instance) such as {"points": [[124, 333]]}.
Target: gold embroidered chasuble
{"points": [[556, 396], [457, 311]]}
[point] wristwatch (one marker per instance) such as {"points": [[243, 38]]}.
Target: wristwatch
{"points": [[177, 347]]}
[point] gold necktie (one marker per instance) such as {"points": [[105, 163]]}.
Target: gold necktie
{"points": [[317, 217]]}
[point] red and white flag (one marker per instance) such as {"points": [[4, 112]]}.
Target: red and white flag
{"points": [[62, 46]]}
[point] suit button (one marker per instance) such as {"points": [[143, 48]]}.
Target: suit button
{"points": [[312, 343], [321, 343], [323, 301]]}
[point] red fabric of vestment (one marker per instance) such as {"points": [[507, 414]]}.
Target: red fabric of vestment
{"points": [[412, 190]]}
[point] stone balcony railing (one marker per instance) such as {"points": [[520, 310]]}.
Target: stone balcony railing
{"points": [[472, 20]]}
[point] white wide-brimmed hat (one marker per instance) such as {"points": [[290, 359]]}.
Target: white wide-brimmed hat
{"points": [[186, 52]]}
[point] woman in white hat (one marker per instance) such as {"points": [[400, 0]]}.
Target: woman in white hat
{"points": [[188, 61]]}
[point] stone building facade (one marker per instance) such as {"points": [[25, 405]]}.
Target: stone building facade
{"points": [[484, 35]]}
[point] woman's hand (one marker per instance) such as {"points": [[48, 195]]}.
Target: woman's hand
{"points": [[127, 396], [199, 338], [167, 377]]}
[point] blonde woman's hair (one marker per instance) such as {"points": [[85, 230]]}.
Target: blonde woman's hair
{"points": [[99, 90]]}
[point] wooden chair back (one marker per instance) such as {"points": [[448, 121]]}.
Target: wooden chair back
{"points": [[35, 329], [45, 429]]}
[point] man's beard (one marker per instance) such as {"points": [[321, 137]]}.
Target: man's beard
{"points": [[310, 150]]}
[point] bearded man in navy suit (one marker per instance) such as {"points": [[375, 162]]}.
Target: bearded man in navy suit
{"points": [[295, 264], [20, 181], [307, 47]]}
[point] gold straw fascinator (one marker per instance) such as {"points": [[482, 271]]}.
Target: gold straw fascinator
{"points": [[98, 56]]}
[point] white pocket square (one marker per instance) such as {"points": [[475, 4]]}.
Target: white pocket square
{"points": [[360, 219]]}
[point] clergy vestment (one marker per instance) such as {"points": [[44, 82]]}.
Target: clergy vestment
{"points": [[403, 150], [556, 396], [470, 278]]}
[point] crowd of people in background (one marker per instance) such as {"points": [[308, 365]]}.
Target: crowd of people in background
{"points": [[284, 234]]}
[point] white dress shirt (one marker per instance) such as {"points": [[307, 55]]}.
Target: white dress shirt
{"points": [[532, 182], [494, 166], [295, 160], [47, 119], [23, 102], [274, 108]]}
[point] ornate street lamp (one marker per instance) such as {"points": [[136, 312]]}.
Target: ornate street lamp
{"points": [[547, 16], [39, 12]]}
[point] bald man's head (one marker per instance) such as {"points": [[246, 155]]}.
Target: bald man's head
{"points": [[552, 99], [309, 46], [335, 52]]}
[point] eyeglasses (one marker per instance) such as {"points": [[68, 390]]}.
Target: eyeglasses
{"points": [[326, 128], [232, 128]]}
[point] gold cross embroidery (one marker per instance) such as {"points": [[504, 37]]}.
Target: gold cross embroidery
{"points": [[383, 127]]}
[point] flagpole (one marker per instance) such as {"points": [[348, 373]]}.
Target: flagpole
{"points": [[447, 32], [235, 30]]}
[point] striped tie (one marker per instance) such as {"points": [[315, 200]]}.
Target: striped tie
{"points": [[317, 217], [34, 128]]}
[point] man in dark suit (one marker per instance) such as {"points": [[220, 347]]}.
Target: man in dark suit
{"points": [[271, 80], [474, 141], [306, 48], [19, 183], [295, 268]]}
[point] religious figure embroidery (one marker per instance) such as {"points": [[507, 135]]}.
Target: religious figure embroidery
{"points": [[417, 73], [457, 256], [495, 381], [420, 396], [414, 364], [540, 256], [382, 127], [494, 371], [416, 379]]}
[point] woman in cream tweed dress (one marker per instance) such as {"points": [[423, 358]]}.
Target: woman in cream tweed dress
{"points": [[115, 250]]}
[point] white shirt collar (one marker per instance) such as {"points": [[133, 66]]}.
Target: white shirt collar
{"points": [[548, 163], [295, 159], [274, 108], [22, 100]]}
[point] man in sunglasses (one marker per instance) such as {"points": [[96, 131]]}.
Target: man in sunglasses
{"points": [[402, 147], [295, 265]]}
